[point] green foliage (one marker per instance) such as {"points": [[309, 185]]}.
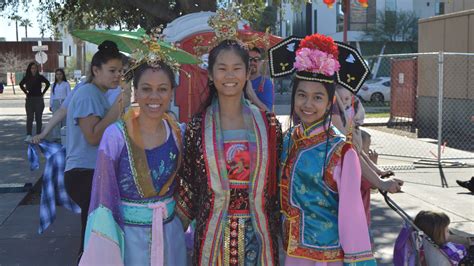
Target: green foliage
{"points": [[70, 66], [259, 16], [394, 26], [83, 14], [252, 11], [268, 19]]}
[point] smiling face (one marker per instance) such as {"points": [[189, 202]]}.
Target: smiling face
{"points": [[311, 102], [153, 93], [108, 75], [229, 74]]}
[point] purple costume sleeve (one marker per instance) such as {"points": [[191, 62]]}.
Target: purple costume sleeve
{"points": [[105, 190], [104, 231]]}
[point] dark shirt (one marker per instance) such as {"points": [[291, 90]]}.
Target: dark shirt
{"points": [[32, 86]]}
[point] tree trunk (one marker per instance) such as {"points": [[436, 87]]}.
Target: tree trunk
{"points": [[13, 83], [79, 55]]}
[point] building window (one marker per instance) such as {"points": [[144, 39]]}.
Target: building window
{"points": [[315, 18], [440, 8], [360, 18]]}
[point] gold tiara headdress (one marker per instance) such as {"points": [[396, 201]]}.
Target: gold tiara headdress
{"points": [[225, 26], [152, 54]]}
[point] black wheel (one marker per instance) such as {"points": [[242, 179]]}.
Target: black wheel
{"points": [[377, 97]]}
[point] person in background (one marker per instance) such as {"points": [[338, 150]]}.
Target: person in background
{"points": [[262, 86], [436, 226], [365, 185], [112, 95], [468, 184], [347, 118], [89, 115], [32, 86], [60, 90]]}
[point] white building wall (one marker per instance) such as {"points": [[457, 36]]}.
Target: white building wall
{"points": [[425, 8], [287, 20], [406, 5], [326, 18]]}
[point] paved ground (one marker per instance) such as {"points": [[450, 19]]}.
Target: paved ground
{"points": [[20, 243]]}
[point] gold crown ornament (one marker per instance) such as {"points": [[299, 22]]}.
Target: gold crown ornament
{"points": [[225, 27], [152, 54]]}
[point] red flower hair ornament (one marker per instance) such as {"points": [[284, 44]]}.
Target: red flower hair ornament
{"points": [[317, 54]]}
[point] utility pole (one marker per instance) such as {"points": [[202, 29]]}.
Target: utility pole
{"points": [[16, 26], [346, 4]]}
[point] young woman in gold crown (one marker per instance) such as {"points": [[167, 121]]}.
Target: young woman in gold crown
{"points": [[323, 216], [228, 178]]}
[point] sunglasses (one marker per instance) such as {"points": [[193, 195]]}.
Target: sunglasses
{"points": [[255, 59]]}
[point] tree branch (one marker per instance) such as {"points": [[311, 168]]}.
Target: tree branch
{"points": [[158, 9]]}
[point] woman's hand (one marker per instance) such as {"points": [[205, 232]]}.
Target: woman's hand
{"points": [[392, 185], [126, 94], [36, 139], [373, 156]]}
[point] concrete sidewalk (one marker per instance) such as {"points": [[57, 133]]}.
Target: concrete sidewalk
{"points": [[20, 243]]}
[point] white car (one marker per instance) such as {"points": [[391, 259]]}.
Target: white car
{"points": [[375, 90]]}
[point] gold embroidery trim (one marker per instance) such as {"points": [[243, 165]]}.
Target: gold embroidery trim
{"points": [[227, 242], [241, 243]]}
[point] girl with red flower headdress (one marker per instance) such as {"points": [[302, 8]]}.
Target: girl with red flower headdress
{"points": [[323, 216]]}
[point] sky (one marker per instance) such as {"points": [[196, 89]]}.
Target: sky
{"points": [[7, 27]]}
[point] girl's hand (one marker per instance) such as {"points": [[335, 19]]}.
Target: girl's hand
{"points": [[126, 97], [373, 156], [36, 139], [391, 185], [126, 94]]}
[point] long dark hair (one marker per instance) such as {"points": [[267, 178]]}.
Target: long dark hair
{"points": [[56, 80], [226, 45], [107, 51], [138, 72], [28, 74]]}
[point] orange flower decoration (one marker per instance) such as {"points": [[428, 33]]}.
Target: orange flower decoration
{"points": [[364, 3], [329, 3]]}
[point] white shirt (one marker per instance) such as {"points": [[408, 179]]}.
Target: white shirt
{"points": [[60, 91]]}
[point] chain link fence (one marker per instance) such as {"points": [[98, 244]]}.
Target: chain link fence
{"points": [[421, 106]]}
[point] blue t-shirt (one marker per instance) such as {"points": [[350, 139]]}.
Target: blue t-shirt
{"points": [[87, 101], [111, 94], [266, 94]]}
